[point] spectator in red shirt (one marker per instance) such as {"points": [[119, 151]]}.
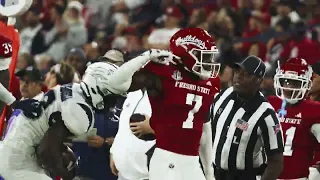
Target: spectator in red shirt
{"points": [[300, 46]]}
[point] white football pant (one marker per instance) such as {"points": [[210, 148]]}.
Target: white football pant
{"points": [[171, 166]]}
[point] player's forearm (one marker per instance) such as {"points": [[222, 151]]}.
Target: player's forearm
{"points": [[6, 96], [275, 164], [206, 150], [127, 70]]}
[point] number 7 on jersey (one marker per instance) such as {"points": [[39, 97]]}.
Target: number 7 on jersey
{"points": [[188, 123]]}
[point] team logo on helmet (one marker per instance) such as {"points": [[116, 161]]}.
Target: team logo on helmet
{"points": [[191, 40]]}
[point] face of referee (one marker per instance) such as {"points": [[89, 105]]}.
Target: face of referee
{"points": [[245, 84]]}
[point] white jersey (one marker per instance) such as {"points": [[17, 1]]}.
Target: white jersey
{"points": [[129, 152], [62, 102]]}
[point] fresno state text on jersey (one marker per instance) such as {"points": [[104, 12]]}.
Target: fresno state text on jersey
{"points": [[180, 110], [299, 141]]}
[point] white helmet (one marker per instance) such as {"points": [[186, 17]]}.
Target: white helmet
{"points": [[95, 83]]}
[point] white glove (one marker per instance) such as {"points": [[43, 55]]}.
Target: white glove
{"points": [[160, 56]]}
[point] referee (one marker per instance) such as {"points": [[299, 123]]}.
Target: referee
{"points": [[247, 136]]}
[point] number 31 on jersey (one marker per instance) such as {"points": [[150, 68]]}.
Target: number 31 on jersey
{"points": [[188, 123]]}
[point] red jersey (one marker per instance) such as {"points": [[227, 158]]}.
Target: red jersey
{"points": [[181, 109], [316, 157], [299, 141]]}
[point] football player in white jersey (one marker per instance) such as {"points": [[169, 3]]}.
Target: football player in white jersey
{"points": [[130, 159], [63, 112], [34, 145]]}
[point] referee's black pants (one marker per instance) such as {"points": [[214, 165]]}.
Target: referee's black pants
{"points": [[221, 174]]}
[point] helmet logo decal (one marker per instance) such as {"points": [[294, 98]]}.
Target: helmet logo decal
{"points": [[191, 40]]}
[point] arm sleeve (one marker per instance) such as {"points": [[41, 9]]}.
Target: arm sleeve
{"points": [[272, 133], [315, 129], [206, 149], [126, 71], [6, 96], [78, 118]]}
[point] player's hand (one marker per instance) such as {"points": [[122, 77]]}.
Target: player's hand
{"points": [[160, 56], [109, 140], [141, 128], [113, 167], [96, 141]]}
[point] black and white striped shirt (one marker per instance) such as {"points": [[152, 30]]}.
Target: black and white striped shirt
{"points": [[243, 132]]}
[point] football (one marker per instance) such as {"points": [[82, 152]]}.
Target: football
{"points": [[69, 161], [139, 118]]}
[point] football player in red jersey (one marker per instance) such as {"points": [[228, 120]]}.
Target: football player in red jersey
{"points": [[180, 93], [5, 59], [299, 117], [179, 113]]}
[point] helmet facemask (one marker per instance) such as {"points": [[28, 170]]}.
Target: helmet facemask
{"points": [[206, 66], [291, 86]]}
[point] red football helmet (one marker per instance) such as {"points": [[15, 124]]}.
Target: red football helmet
{"points": [[197, 51], [293, 80]]}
